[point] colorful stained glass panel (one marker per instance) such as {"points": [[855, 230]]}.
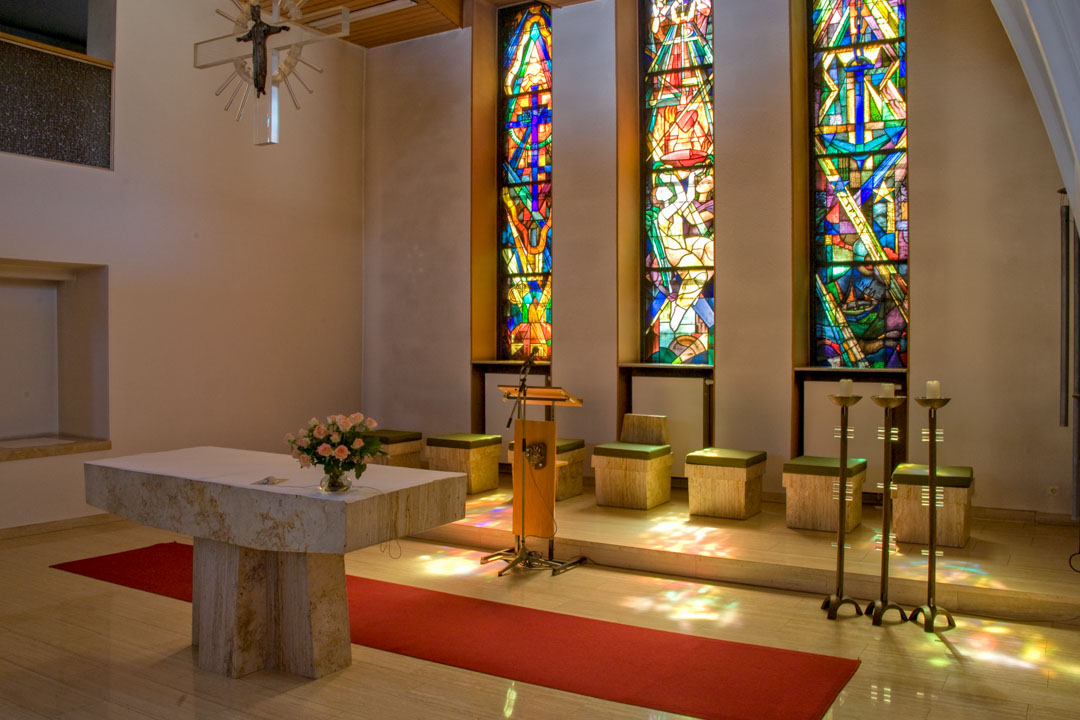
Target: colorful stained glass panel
{"points": [[524, 213], [861, 206], [836, 23], [526, 41], [526, 316], [527, 138], [525, 229], [677, 301], [861, 317], [679, 315], [679, 114], [860, 100], [679, 219], [678, 34], [860, 201]]}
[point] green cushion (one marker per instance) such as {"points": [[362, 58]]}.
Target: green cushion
{"points": [[393, 437], [959, 476], [632, 451], [829, 466], [465, 441], [562, 445], [726, 458]]}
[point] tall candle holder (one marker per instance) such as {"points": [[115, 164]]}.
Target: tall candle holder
{"points": [[833, 602], [876, 609], [931, 609]]}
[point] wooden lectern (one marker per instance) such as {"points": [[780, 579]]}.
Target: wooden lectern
{"points": [[534, 480]]}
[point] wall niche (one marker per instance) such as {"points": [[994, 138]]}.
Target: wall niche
{"points": [[54, 358]]}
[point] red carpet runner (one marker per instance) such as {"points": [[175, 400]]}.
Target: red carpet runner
{"points": [[662, 670]]}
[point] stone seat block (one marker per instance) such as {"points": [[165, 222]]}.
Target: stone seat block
{"points": [[811, 483], [402, 447], [911, 513], [475, 455], [725, 483], [570, 454]]}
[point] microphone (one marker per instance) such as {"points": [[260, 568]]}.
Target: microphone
{"points": [[530, 362]]}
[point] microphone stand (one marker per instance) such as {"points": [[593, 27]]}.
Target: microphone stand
{"points": [[520, 555]]}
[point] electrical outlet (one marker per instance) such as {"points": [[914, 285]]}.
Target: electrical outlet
{"points": [[1052, 490]]}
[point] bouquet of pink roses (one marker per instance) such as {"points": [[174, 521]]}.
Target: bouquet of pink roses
{"points": [[342, 444]]}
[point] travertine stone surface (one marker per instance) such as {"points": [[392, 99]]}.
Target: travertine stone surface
{"points": [[269, 577], [911, 519], [568, 477], [481, 464], [210, 493], [406, 454], [726, 492], [629, 483], [812, 505]]}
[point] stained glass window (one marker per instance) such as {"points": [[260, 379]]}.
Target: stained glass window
{"points": [[677, 170], [859, 294], [524, 226]]}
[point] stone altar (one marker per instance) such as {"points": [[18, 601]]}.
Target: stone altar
{"points": [[269, 580]]}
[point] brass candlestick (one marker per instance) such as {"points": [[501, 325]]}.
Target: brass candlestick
{"points": [[876, 609], [833, 602], [931, 609]]}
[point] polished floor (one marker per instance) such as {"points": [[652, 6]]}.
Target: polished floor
{"points": [[1009, 569], [80, 649]]}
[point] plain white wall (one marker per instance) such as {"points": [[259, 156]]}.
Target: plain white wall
{"points": [[416, 234], [752, 98], [29, 402], [584, 334], [985, 255], [234, 270]]}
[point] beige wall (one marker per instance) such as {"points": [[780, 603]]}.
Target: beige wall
{"points": [[985, 257], [584, 333], [416, 274], [234, 270], [753, 229]]}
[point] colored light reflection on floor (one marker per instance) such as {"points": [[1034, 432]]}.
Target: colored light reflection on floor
{"points": [[675, 533], [1016, 647], [961, 572], [447, 561], [688, 603], [491, 510]]}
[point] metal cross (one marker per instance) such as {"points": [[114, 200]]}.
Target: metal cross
{"points": [[225, 49]]}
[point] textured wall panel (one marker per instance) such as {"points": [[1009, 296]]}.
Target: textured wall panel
{"points": [[54, 107]]}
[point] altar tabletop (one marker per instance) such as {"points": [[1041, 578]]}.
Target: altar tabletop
{"points": [[266, 501], [269, 544]]}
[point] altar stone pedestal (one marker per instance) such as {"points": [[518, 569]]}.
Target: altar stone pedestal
{"points": [[269, 580]]}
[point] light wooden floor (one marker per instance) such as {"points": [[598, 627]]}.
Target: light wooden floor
{"points": [[1010, 569], [76, 648]]}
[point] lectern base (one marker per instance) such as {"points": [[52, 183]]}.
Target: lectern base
{"points": [[521, 556]]}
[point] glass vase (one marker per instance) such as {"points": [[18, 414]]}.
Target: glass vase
{"points": [[335, 481]]}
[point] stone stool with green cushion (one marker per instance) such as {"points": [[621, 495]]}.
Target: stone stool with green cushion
{"points": [[635, 472], [402, 447], [570, 459], [811, 484], [475, 455], [725, 483], [911, 520]]}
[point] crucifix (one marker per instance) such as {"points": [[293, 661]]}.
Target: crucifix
{"points": [[261, 62]]}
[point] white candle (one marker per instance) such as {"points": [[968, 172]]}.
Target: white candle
{"points": [[845, 388], [888, 390], [933, 389]]}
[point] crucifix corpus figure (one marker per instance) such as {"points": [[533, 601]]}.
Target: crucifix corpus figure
{"points": [[257, 35]]}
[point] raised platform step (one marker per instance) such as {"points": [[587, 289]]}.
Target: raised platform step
{"points": [[1012, 570]]}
